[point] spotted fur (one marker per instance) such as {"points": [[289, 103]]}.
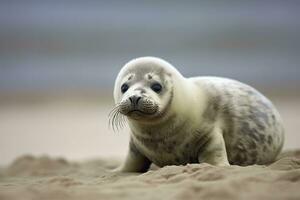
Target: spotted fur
{"points": [[253, 129]]}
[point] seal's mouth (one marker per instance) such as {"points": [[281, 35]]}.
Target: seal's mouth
{"points": [[139, 112], [140, 115]]}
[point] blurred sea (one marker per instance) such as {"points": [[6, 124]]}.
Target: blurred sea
{"points": [[76, 45]]}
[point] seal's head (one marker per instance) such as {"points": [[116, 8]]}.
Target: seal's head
{"points": [[144, 89]]}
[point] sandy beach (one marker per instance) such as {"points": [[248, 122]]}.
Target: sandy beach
{"points": [[31, 177], [63, 149]]}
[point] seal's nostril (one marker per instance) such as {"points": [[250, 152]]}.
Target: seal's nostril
{"points": [[137, 100], [130, 98]]}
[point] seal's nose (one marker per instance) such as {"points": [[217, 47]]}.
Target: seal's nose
{"points": [[134, 100]]}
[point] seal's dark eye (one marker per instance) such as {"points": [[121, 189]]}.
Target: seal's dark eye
{"points": [[124, 88], [156, 87]]}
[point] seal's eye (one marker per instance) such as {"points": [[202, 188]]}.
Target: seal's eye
{"points": [[124, 88], [156, 87]]}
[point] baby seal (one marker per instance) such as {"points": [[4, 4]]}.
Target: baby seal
{"points": [[176, 120]]}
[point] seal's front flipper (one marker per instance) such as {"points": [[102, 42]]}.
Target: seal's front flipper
{"points": [[215, 151], [135, 160]]}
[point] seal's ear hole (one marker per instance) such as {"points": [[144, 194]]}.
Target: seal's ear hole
{"points": [[124, 88], [156, 87]]}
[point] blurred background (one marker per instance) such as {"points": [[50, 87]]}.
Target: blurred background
{"points": [[59, 59]]}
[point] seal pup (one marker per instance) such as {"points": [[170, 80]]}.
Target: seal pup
{"points": [[175, 120]]}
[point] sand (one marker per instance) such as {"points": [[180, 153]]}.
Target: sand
{"points": [[71, 131], [45, 178]]}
